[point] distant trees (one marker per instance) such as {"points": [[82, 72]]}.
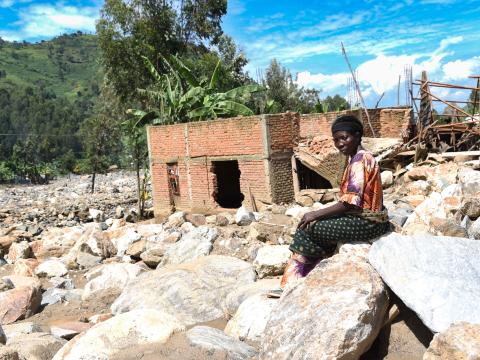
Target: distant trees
{"points": [[283, 94]]}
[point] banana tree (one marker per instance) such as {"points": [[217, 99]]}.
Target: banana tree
{"points": [[179, 96]]}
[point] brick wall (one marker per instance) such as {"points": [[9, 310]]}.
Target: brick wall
{"points": [[386, 122], [193, 146]]}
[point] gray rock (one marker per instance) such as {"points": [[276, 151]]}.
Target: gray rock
{"points": [[334, 313], [210, 338], [436, 276], [55, 295], [470, 181], [62, 283], [474, 230], [192, 292], [175, 220], [8, 353], [244, 217], [399, 215], [87, 261], [196, 243], [387, 178], [471, 208]]}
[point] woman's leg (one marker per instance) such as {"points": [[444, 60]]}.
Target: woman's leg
{"points": [[298, 266]]}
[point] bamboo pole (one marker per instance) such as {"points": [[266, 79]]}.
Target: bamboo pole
{"points": [[358, 89], [446, 103]]}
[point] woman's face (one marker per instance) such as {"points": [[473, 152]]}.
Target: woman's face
{"points": [[347, 143]]}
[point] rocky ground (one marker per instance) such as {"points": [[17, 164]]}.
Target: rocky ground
{"points": [[82, 280]]}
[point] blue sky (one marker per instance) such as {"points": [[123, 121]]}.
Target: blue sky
{"points": [[381, 37]]}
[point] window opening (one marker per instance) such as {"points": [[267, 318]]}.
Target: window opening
{"points": [[173, 179]]}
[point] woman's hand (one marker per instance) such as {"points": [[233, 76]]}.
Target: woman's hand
{"points": [[307, 219]]}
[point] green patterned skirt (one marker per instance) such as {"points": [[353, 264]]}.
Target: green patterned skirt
{"points": [[321, 238]]}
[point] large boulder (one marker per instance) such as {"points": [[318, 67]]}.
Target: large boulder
{"points": [[109, 276], [460, 342], [215, 339], [193, 292], [56, 242], [244, 217], [436, 276], [250, 320], [470, 181], [271, 260], [194, 244], [111, 337], [19, 303], [334, 313]]}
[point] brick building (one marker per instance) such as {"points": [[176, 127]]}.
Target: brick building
{"points": [[209, 165]]}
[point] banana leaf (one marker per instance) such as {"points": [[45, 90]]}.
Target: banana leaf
{"points": [[233, 107]]}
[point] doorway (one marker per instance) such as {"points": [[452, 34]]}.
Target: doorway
{"points": [[227, 191]]}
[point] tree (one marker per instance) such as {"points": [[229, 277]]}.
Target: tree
{"points": [[101, 136], [335, 103], [475, 105], [127, 30], [283, 94]]}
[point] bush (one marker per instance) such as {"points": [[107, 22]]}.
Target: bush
{"points": [[6, 173]]}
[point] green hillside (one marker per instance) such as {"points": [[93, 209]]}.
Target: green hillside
{"points": [[66, 65]]}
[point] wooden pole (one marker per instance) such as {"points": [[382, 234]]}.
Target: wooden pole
{"points": [[358, 90]]}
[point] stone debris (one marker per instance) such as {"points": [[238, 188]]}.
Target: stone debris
{"points": [[64, 248]]}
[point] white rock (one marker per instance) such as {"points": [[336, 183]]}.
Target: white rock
{"points": [[251, 318], [470, 181], [51, 268], [210, 338], [193, 292], [96, 215], [387, 178], [334, 313], [451, 190], [123, 242], [109, 276], [297, 211], [194, 244], [436, 276], [244, 217], [109, 338], [271, 260]]}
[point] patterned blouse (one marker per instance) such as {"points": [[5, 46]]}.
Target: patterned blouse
{"points": [[361, 184]]}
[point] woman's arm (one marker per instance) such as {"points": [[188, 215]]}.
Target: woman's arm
{"points": [[337, 209]]}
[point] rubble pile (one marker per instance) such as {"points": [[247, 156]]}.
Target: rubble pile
{"points": [[194, 286]]}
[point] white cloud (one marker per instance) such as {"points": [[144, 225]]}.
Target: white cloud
{"points": [[9, 3], [381, 73], [323, 81], [461, 69], [47, 20]]}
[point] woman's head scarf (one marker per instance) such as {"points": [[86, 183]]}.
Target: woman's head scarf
{"points": [[347, 123]]}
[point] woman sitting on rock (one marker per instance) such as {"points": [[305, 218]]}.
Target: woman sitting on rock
{"points": [[358, 216]]}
